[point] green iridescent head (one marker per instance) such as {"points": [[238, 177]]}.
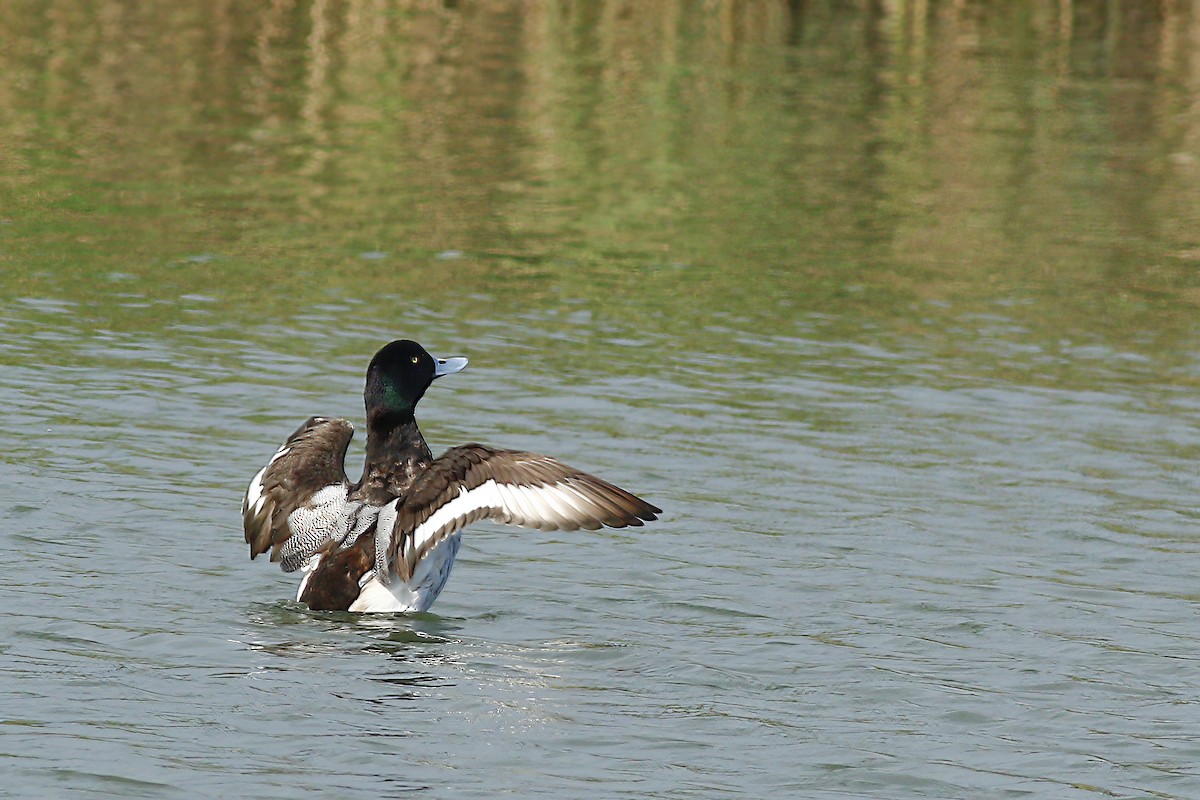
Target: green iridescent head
{"points": [[398, 376]]}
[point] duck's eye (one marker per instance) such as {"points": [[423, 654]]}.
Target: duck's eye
{"points": [[416, 359]]}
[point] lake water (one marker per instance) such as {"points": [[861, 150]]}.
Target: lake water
{"points": [[894, 308]]}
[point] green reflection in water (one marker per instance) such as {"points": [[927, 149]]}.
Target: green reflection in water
{"points": [[945, 176]]}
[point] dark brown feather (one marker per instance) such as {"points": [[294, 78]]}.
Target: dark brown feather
{"points": [[315, 458], [334, 585]]}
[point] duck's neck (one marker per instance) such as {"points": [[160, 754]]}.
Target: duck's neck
{"points": [[396, 454]]}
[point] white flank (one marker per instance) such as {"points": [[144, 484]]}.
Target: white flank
{"points": [[375, 598], [417, 594]]}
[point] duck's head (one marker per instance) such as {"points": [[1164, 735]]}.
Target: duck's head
{"points": [[398, 376]]}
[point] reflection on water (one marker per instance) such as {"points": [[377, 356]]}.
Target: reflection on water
{"points": [[906, 164], [395, 635], [891, 305]]}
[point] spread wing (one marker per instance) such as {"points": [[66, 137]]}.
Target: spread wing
{"points": [[476, 482], [296, 504]]}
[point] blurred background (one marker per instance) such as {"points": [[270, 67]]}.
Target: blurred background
{"points": [[900, 165], [892, 305]]}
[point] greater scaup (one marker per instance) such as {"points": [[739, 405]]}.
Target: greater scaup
{"points": [[388, 542]]}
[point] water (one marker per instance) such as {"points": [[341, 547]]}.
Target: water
{"points": [[893, 309]]}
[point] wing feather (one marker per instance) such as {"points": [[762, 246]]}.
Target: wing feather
{"points": [[297, 503], [476, 482]]}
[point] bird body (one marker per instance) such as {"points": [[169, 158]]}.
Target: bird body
{"points": [[388, 542]]}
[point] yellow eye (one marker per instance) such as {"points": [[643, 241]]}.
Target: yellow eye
{"points": [[416, 359]]}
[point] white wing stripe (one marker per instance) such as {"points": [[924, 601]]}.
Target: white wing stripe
{"points": [[542, 497], [254, 495], [486, 495], [511, 495], [553, 497], [581, 502], [548, 506], [563, 502], [529, 504], [504, 501], [538, 498], [526, 505]]}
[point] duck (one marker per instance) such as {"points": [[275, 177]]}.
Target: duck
{"points": [[387, 543]]}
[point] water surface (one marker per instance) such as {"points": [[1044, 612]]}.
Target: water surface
{"points": [[891, 307]]}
